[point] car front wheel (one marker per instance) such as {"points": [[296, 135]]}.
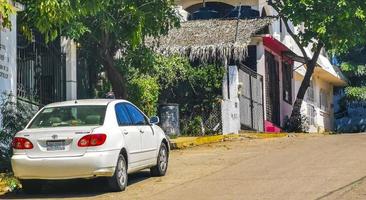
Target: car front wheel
{"points": [[118, 182], [162, 162]]}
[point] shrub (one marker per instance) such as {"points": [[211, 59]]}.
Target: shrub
{"points": [[15, 116], [193, 126], [299, 124], [143, 91]]}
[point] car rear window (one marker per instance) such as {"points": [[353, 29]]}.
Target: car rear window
{"points": [[69, 116]]}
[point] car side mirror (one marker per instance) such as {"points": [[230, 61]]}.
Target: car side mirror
{"points": [[154, 120]]}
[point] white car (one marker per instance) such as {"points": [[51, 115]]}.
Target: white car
{"points": [[86, 139]]}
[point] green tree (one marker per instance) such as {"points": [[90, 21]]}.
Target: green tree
{"points": [[108, 28], [354, 67], [6, 9], [149, 75], [336, 25]]}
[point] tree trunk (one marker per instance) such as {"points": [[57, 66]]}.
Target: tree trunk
{"points": [[310, 66], [118, 81]]}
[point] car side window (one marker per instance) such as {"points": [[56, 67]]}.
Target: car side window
{"points": [[137, 117], [122, 115]]}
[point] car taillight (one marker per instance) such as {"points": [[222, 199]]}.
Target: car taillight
{"points": [[21, 143], [92, 140]]}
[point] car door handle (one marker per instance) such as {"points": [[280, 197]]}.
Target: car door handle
{"points": [[125, 132], [142, 131]]}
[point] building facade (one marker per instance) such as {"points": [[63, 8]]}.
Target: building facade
{"points": [[273, 72]]}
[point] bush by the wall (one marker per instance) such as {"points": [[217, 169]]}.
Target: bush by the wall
{"points": [[15, 116], [299, 124]]}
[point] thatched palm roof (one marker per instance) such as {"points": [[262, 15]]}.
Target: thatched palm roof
{"points": [[210, 39]]}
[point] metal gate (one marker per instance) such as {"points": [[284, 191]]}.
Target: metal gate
{"points": [[251, 99], [41, 70]]}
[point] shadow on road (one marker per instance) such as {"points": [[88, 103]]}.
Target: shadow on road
{"points": [[75, 188]]}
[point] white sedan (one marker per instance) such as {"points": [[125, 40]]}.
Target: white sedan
{"points": [[86, 139]]}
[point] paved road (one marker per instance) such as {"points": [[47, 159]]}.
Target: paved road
{"points": [[320, 167]]}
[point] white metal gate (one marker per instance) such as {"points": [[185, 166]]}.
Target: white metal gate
{"points": [[251, 99]]}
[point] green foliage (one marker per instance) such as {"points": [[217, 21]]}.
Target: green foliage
{"points": [[55, 17], [338, 24], [193, 126], [199, 91], [168, 70], [9, 181], [15, 116], [356, 93], [122, 21], [6, 9], [154, 79], [144, 92], [149, 74], [197, 96], [103, 29], [354, 68]]}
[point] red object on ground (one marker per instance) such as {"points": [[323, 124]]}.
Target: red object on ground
{"points": [[271, 128]]}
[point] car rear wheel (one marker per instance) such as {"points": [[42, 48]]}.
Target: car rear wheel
{"points": [[162, 162], [32, 186], [118, 182]]}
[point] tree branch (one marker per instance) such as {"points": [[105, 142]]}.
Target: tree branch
{"points": [[292, 34]]}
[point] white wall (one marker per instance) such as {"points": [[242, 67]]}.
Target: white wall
{"points": [[323, 117], [230, 112], [69, 47], [8, 62]]}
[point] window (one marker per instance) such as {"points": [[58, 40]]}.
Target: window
{"points": [[310, 93], [137, 117], [323, 100], [69, 116], [122, 116], [287, 82]]}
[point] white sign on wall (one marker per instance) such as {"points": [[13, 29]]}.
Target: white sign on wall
{"points": [[8, 62], [8, 51]]}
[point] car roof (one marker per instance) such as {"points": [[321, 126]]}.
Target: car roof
{"points": [[84, 102]]}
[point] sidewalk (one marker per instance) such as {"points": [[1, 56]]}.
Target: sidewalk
{"points": [[185, 142]]}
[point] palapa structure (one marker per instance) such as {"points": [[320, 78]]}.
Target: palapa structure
{"points": [[205, 40]]}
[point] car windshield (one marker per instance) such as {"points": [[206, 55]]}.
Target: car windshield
{"points": [[70, 116]]}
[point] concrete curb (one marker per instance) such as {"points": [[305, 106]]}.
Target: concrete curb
{"points": [[263, 135], [185, 142]]}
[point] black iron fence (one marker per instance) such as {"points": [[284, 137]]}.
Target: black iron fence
{"points": [[41, 70]]}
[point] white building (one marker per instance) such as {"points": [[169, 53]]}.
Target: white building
{"points": [[281, 74]]}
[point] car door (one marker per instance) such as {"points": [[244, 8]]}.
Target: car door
{"points": [[131, 136], [148, 137]]}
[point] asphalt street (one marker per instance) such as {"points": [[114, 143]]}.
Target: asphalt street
{"points": [[304, 167]]}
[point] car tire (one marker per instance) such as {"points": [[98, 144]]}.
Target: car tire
{"points": [[162, 162], [32, 186], [118, 182]]}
